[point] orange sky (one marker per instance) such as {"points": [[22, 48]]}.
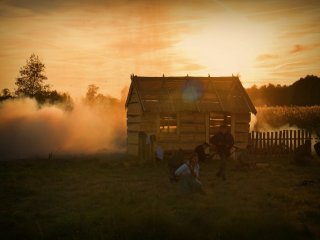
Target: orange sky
{"points": [[102, 42]]}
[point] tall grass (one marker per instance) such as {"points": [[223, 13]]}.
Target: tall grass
{"points": [[276, 117]]}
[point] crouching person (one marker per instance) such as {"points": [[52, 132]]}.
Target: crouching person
{"points": [[187, 176], [302, 154]]}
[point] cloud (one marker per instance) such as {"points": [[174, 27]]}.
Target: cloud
{"points": [[266, 57], [301, 48]]}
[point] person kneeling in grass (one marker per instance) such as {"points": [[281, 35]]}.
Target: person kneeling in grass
{"points": [[302, 154], [188, 175]]}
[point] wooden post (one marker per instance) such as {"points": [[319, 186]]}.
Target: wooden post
{"points": [[285, 135], [264, 141], [272, 143], [295, 139], [299, 138], [256, 143], [290, 139], [309, 136], [276, 141], [260, 141], [280, 137], [287, 140]]}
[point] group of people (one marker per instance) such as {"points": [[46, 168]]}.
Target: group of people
{"points": [[188, 173]]}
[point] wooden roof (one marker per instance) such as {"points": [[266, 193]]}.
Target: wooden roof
{"points": [[203, 94]]}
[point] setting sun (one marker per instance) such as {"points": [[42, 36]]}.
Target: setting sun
{"points": [[227, 45]]}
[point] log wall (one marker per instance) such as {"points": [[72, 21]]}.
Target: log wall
{"points": [[193, 128], [134, 116], [241, 129]]}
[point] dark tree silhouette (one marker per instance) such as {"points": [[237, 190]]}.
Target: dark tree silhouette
{"points": [[5, 94], [304, 92], [92, 92], [31, 80]]}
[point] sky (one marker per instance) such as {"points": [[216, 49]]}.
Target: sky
{"points": [[103, 42]]}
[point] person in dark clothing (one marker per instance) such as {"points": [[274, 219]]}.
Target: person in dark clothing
{"points": [[302, 154], [201, 151], [317, 148], [223, 141]]}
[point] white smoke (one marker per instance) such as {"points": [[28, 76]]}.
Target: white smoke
{"points": [[27, 130]]}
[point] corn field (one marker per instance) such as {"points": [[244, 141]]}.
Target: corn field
{"points": [[270, 118]]}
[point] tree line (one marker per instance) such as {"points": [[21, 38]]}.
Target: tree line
{"points": [[31, 83], [304, 92]]}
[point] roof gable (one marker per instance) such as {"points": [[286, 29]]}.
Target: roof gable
{"points": [[203, 94]]}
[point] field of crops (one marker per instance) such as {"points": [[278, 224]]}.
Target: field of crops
{"points": [[268, 118]]}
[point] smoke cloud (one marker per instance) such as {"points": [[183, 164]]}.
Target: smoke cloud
{"points": [[95, 125]]}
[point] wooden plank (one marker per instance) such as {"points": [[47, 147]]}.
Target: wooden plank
{"points": [[170, 146], [134, 108], [242, 117], [242, 137], [134, 119], [133, 138], [290, 144], [192, 118], [133, 127], [148, 129], [192, 128], [134, 98], [260, 140], [189, 146], [186, 137], [166, 137], [200, 137], [132, 149], [257, 140], [242, 127]]}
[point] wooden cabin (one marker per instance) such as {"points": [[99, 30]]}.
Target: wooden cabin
{"points": [[182, 112]]}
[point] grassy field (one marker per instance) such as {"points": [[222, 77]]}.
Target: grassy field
{"points": [[113, 197]]}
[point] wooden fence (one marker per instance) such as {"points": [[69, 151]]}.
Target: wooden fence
{"points": [[280, 142]]}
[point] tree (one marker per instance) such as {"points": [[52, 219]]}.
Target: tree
{"points": [[92, 92], [5, 94], [31, 80]]}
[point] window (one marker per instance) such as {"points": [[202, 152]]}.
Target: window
{"points": [[168, 123], [216, 119]]}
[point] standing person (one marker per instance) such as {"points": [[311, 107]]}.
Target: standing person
{"points": [[201, 151], [223, 142]]}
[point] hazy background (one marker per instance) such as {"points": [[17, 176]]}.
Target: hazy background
{"points": [[103, 42], [92, 126]]}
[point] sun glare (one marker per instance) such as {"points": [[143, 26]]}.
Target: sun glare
{"points": [[225, 46]]}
